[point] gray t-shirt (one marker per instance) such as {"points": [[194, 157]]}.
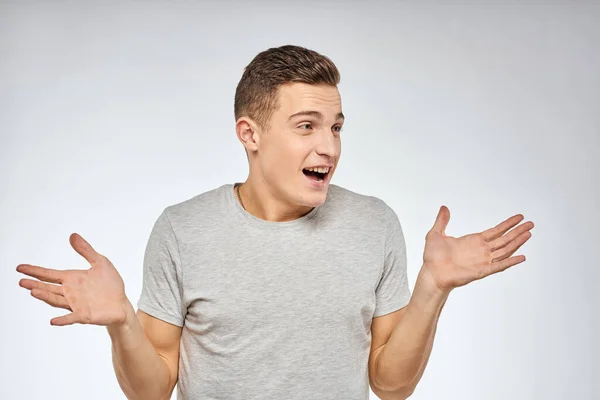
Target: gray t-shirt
{"points": [[274, 310]]}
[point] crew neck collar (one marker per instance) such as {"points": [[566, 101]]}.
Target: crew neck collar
{"points": [[255, 221]]}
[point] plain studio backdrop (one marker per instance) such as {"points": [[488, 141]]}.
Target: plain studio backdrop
{"points": [[111, 112]]}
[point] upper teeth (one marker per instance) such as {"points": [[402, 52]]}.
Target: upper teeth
{"points": [[321, 170]]}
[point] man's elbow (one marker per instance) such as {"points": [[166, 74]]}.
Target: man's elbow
{"points": [[401, 393]]}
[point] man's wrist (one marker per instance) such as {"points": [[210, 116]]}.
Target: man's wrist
{"points": [[427, 294], [125, 326]]}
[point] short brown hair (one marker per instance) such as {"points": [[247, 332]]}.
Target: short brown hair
{"points": [[256, 92]]}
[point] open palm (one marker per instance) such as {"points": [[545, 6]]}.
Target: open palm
{"points": [[454, 262], [94, 296]]}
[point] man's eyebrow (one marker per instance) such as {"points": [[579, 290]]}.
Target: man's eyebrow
{"points": [[314, 114]]}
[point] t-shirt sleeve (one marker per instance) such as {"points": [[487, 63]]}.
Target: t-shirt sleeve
{"points": [[393, 292], [162, 288]]}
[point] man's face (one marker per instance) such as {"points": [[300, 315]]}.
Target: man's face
{"points": [[303, 135]]}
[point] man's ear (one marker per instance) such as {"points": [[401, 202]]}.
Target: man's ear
{"points": [[248, 133]]}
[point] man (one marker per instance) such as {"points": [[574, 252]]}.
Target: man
{"points": [[284, 286]]}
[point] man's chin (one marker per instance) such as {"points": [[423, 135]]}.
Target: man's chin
{"points": [[316, 199]]}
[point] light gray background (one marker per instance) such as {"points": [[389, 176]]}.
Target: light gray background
{"points": [[109, 113]]}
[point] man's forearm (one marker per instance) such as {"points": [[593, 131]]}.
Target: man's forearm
{"points": [[140, 371], [402, 361]]}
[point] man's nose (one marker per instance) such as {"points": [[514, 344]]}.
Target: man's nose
{"points": [[327, 145]]}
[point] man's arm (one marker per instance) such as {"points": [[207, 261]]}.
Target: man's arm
{"points": [[145, 355], [402, 342], [448, 263], [145, 349]]}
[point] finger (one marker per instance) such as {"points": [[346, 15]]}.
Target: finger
{"points": [[512, 235], [68, 319], [50, 298], [81, 246], [43, 274], [509, 249], [501, 228], [505, 264], [441, 221], [31, 284]]}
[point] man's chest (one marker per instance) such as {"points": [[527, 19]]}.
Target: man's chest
{"points": [[273, 281]]}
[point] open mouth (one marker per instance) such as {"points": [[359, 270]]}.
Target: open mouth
{"points": [[316, 174]]}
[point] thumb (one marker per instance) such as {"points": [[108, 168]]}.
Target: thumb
{"points": [[441, 222], [81, 246]]}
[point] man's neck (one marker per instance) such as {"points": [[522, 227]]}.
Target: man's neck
{"points": [[259, 201]]}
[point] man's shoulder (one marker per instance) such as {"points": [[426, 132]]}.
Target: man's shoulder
{"points": [[200, 205], [370, 206]]}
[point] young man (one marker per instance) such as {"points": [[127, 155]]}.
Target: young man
{"points": [[284, 286]]}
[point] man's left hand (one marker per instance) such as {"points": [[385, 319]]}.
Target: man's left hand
{"points": [[452, 262]]}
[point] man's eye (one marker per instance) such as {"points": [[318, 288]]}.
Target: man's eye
{"points": [[337, 129], [305, 126]]}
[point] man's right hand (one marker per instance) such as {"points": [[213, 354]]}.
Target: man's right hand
{"points": [[94, 296]]}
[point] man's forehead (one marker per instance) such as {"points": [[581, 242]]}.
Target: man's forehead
{"points": [[299, 97]]}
